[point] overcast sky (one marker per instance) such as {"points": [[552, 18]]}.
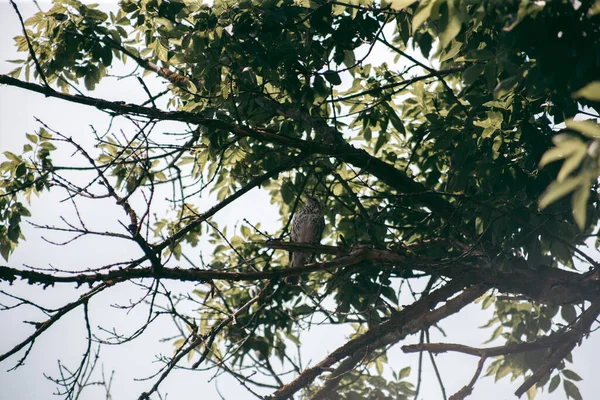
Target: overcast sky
{"points": [[65, 340]]}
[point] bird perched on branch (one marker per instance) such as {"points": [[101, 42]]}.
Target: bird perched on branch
{"points": [[307, 227]]}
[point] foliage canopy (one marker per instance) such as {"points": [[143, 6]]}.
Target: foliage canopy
{"points": [[431, 131]]}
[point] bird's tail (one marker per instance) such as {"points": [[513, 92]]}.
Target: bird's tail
{"points": [[298, 260]]}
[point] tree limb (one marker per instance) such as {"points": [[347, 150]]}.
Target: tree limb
{"points": [[41, 327], [385, 172], [410, 320], [554, 286]]}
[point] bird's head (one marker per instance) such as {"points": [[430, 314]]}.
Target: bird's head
{"points": [[313, 203]]}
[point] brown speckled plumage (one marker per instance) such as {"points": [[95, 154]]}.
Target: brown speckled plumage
{"points": [[307, 227]]}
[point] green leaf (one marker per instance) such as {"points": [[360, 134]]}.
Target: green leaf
{"points": [[287, 192], [489, 300], [557, 190], [404, 373], [453, 26], [564, 149], [338, 9], [554, 382], [382, 139], [5, 249], [11, 156], [245, 231], [20, 170], [450, 53], [162, 50], [531, 392], [293, 338], [479, 225], [32, 138], [495, 335], [332, 77], [349, 58], [571, 375], [399, 4], [572, 163], [568, 313], [470, 74], [498, 140], [422, 14], [13, 233], [90, 81], [506, 86], [579, 203], [48, 146], [15, 72], [571, 390], [504, 370], [379, 366], [591, 91], [587, 128]]}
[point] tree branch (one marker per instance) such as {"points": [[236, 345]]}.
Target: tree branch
{"points": [[43, 326], [207, 338], [38, 67], [410, 320], [468, 389], [581, 329], [385, 172], [554, 286]]}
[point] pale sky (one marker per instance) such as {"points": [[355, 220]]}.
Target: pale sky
{"points": [[65, 340]]}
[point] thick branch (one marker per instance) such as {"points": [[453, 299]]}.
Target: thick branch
{"points": [[553, 285], [313, 248], [181, 274], [407, 322], [385, 172], [411, 319]]}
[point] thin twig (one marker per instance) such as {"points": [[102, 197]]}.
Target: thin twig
{"points": [[38, 67]]}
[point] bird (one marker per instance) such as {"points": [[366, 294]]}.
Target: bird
{"points": [[307, 227]]}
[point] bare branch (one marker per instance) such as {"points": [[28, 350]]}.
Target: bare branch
{"points": [[468, 389], [408, 321], [42, 326]]}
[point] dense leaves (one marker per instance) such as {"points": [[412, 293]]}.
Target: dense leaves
{"points": [[431, 129]]}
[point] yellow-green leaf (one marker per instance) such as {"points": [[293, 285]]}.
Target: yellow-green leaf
{"points": [[557, 190], [579, 204], [404, 373], [591, 91], [422, 14], [453, 27], [400, 4], [504, 370], [587, 128], [531, 392], [245, 231], [571, 163], [559, 153]]}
